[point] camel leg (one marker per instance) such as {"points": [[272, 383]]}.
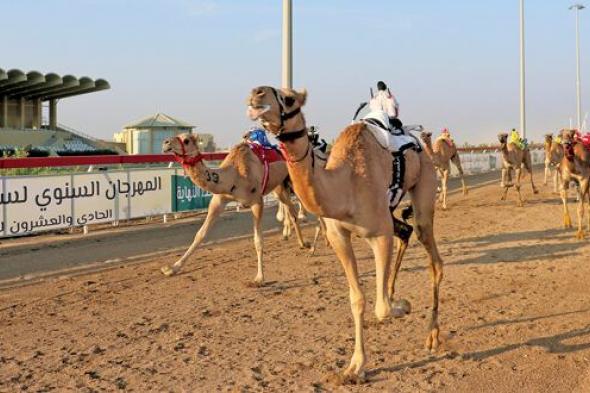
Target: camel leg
{"points": [[319, 229], [382, 247], [301, 213], [547, 172], [528, 165], [504, 183], [567, 221], [401, 250], [517, 175], [340, 240], [284, 197], [457, 162], [402, 231], [444, 180], [424, 219], [583, 192], [257, 210], [556, 181], [216, 207], [282, 217]]}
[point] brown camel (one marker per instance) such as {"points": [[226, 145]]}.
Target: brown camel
{"points": [[575, 165], [553, 157], [239, 178], [513, 159], [442, 153], [349, 192]]}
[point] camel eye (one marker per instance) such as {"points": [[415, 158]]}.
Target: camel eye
{"points": [[185, 141]]}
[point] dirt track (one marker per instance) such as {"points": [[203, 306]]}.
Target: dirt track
{"points": [[515, 316]]}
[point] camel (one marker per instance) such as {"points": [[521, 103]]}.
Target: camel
{"points": [[240, 178], [553, 157], [513, 159], [575, 165], [442, 153], [349, 192]]}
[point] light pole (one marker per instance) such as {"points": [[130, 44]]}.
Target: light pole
{"points": [[287, 44], [522, 86], [578, 7]]}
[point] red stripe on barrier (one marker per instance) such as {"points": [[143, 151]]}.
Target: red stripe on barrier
{"points": [[43, 162]]}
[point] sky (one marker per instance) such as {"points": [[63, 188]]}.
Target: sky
{"points": [[451, 63]]}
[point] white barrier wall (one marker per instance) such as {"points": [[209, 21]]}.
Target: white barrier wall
{"points": [[30, 204], [480, 162]]}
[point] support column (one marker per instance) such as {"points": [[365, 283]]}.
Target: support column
{"points": [[37, 108], [4, 113], [53, 114], [21, 112]]}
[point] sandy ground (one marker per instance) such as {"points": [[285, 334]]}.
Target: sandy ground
{"points": [[515, 316]]}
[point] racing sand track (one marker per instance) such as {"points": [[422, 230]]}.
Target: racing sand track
{"points": [[515, 316]]}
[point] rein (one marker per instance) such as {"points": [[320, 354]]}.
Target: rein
{"points": [[186, 162]]}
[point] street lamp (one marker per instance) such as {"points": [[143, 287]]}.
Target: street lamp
{"points": [[578, 7], [522, 86], [287, 44]]}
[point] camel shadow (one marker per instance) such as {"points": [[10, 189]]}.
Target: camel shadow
{"points": [[519, 253], [514, 236], [551, 344], [515, 254], [500, 322]]}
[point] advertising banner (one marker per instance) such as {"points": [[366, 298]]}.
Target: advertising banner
{"points": [[30, 204], [187, 196]]}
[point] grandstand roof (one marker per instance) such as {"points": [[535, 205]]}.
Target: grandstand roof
{"points": [[159, 120], [16, 84]]}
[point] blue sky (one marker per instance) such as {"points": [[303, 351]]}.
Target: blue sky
{"points": [[451, 63]]}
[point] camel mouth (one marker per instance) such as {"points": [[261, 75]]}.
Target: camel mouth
{"points": [[254, 112], [167, 149]]}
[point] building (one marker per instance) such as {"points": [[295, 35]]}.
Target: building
{"points": [[145, 136], [29, 111]]}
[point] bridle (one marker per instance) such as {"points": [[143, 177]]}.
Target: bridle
{"points": [[284, 116], [183, 159]]}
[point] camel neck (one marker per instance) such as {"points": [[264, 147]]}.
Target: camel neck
{"points": [[213, 180], [312, 182]]}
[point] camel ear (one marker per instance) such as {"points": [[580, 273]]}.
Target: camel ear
{"points": [[300, 96], [258, 91]]}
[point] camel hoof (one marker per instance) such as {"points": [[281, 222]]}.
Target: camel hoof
{"points": [[168, 271], [580, 235], [347, 378], [401, 308], [535, 191], [311, 251], [432, 341], [305, 246]]}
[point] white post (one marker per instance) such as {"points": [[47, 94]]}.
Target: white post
{"points": [[85, 228], [578, 7], [165, 218], [287, 44], [522, 74]]}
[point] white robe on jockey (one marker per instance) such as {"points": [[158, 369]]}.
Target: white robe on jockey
{"points": [[386, 102]]}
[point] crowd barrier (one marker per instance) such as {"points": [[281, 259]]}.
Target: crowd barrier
{"points": [[31, 204]]}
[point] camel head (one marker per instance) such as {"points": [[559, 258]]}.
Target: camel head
{"points": [[548, 139], [503, 138], [278, 110], [426, 137], [184, 145]]}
